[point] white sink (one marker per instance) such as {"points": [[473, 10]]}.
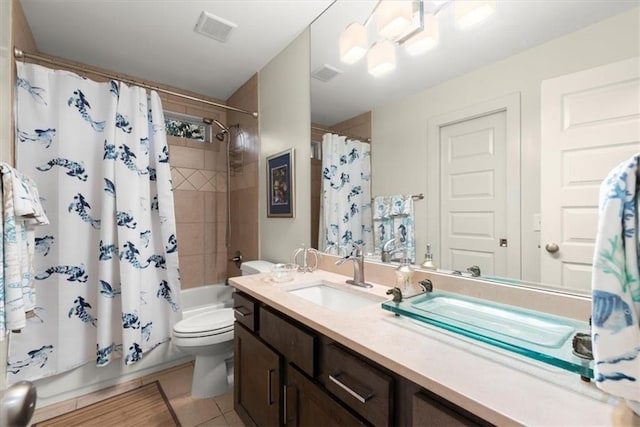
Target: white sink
{"points": [[334, 296]]}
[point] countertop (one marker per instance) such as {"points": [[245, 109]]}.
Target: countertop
{"points": [[503, 389]]}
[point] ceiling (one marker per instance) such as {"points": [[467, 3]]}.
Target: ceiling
{"points": [[155, 40], [517, 25]]}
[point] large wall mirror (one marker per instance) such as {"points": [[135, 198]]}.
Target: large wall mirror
{"points": [[507, 128]]}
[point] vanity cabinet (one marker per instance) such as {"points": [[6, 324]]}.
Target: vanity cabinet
{"points": [[289, 374], [256, 379], [307, 404]]}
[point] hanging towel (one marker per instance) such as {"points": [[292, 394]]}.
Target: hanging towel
{"points": [[393, 219], [21, 211], [616, 285]]}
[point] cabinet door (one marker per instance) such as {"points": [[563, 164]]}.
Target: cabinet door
{"points": [[432, 411], [308, 405], [257, 379]]}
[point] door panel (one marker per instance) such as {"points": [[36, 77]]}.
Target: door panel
{"points": [[590, 124], [473, 194]]}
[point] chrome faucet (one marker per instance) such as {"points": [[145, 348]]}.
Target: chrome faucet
{"points": [[474, 270], [387, 254], [358, 267]]}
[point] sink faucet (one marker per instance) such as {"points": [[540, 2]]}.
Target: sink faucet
{"points": [[387, 254], [358, 267]]}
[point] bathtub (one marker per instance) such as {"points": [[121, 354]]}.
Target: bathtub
{"points": [[89, 378]]}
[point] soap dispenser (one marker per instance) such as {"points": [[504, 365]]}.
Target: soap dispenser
{"points": [[404, 276], [428, 264]]}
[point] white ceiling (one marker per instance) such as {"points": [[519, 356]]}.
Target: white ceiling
{"points": [[155, 40]]}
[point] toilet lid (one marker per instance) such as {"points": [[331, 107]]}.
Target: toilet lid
{"points": [[207, 321]]}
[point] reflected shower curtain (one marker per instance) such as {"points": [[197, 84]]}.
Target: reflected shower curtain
{"points": [[345, 205], [106, 268]]}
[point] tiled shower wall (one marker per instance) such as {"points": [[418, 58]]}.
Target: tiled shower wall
{"points": [[198, 171]]}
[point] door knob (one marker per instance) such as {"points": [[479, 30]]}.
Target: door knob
{"points": [[552, 248]]}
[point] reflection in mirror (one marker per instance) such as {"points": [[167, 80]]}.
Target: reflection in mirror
{"points": [[507, 127]]}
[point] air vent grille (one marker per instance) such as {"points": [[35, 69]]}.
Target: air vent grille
{"points": [[325, 73], [215, 27]]}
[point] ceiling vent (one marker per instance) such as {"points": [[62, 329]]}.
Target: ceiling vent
{"points": [[215, 27], [325, 73]]}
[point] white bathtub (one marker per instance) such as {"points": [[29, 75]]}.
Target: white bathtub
{"points": [[89, 378]]}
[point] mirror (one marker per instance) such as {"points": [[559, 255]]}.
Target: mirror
{"points": [[498, 66]]}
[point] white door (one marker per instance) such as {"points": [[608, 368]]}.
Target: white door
{"points": [[473, 194], [590, 124]]}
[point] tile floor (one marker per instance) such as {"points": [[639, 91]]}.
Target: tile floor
{"points": [[176, 384]]}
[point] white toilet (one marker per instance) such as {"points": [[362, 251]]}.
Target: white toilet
{"points": [[209, 337]]}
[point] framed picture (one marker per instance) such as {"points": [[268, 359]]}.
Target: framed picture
{"points": [[280, 185]]}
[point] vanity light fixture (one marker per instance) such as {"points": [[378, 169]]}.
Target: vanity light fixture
{"points": [[353, 43], [471, 12], [426, 39], [394, 18], [405, 23], [381, 58]]}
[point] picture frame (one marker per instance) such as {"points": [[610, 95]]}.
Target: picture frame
{"points": [[281, 185]]}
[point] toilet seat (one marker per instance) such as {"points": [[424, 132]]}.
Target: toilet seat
{"points": [[214, 322]]}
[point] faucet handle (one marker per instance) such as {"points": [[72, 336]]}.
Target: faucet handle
{"points": [[357, 248]]}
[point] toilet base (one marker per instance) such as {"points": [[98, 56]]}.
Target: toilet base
{"points": [[210, 373]]}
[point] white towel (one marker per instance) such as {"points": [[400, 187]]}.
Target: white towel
{"points": [[616, 285], [17, 295]]}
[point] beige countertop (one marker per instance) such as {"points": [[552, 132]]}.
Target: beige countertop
{"points": [[502, 388]]}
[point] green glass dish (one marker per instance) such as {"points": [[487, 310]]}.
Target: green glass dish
{"points": [[544, 337]]}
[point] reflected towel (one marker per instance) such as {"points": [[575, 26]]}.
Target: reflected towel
{"points": [[17, 295], [616, 285], [382, 207], [393, 219]]}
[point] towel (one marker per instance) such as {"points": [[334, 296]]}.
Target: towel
{"points": [[616, 285], [393, 219], [21, 212]]}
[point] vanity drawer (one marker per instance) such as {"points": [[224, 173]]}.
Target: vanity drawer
{"points": [[365, 389], [245, 310], [296, 344]]}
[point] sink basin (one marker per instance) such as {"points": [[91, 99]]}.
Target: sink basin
{"points": [[520, 325], [334, 296]]}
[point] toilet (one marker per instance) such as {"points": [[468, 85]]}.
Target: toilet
{"points": [[209, 337]]}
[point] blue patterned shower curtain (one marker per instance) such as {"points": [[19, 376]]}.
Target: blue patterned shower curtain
{"points": [[345, 205], [106, 268]]}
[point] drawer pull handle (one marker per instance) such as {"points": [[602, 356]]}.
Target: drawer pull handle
{"points": [[241, 313], [358, 396]]}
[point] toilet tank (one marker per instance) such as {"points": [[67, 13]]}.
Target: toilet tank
{"points": [[255, 267]]}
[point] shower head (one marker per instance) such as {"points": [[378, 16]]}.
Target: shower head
{"points": [[224, 130]]}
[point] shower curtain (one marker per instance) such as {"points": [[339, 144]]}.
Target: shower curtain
{"points": [[345, 205], [106, 268]]}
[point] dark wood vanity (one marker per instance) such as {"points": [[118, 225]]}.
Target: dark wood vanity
{"points": [[289, 374]]}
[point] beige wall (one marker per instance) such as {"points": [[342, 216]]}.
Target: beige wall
{"points": [[244, 176], [285, 120], [405, 121]]}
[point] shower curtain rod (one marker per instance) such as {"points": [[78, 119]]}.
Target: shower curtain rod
{"points": [[20, 54], [359, 138]]}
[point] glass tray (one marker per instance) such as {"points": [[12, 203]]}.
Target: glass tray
{"points": [[540, 336]]}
